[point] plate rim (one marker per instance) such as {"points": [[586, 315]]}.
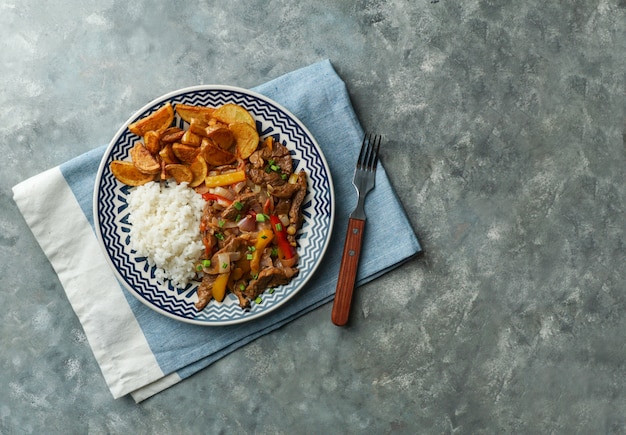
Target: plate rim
{"points": [[168, 96]]}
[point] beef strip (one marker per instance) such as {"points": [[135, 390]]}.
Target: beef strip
{"points": [[261, 177], [284, 191], [295, 212], [257, 159], [269, 277], [241, 297], [257, 169], [282, 206], [207, 233], [205, 291], [282, 158], [240, 206]]}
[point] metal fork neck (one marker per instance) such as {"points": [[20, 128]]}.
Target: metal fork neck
{"points": [[359, 211]]}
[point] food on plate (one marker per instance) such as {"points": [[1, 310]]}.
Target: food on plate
{"points": [[214, 155], [213, 202], [190, 113], [232, 113], [166, 154], [249, 225], [128, 173], [199, 170], [159, 120], [185, 153], [144, 160], [190, 138], [180, 173], [220, 135], [172, 135], [165, 229], [246, 138], [152, 141]]}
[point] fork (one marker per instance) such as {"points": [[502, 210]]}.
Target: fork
{"points": [[363, 181]]}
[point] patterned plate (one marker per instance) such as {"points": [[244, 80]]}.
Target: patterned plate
{"points": [[111, 213]]}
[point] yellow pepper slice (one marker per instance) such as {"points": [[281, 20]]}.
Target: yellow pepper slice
{"points": [[219, 287], [225, 179], [263, 239]]}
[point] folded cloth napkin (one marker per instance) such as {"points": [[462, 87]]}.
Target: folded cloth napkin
{"points": [[141, 352]]}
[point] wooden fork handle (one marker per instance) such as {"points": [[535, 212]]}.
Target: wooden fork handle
{"points": [[347, 272]]}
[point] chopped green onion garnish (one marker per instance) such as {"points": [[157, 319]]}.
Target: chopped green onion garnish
{"points": [[275, 168], [283, 176], [279, 227], [274, 252], [264, 237], [242, 287], [219, 236], [199, 267], [271, 291], [251, 248], [238, 218], [238, 205], [206, 263], [258, 300], [260, 217], [249, 257], [224, 265], [221, 223]]}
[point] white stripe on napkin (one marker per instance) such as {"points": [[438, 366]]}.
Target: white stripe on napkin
{"points": [[106, 300], [155, 387]]}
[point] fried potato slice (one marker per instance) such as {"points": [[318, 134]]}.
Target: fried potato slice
{"points": [[231, 113], [167, 155], [198, 127], [185, 153], [214, 155], [199, 169], [172, 134], [189, 113], [143, 160], [127, 173], [180, 173], [191, 139], [246, 138], [221, 136], [157, 121], [152, 141]]}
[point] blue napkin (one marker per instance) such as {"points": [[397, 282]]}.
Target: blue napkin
{"points": [[141, 352]]}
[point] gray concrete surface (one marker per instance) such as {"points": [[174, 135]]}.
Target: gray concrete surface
{"points": [[504, 126]]}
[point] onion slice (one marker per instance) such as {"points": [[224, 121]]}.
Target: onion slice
{"points": [[248, 223], [223, 262]]}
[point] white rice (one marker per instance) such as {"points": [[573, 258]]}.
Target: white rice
{"points": [[166, 229]]}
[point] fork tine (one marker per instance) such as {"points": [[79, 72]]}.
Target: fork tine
{"points": [[368, 156], [363, 153], [375, 148]]}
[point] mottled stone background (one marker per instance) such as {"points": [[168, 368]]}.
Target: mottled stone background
{"points": [[504, 125]]}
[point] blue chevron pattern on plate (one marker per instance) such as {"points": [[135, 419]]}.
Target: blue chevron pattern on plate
{"points": [[137, 276]]}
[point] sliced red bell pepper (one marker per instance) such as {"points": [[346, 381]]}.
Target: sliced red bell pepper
{"points": [[268, 207], [281, 237], [208, 196]]}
